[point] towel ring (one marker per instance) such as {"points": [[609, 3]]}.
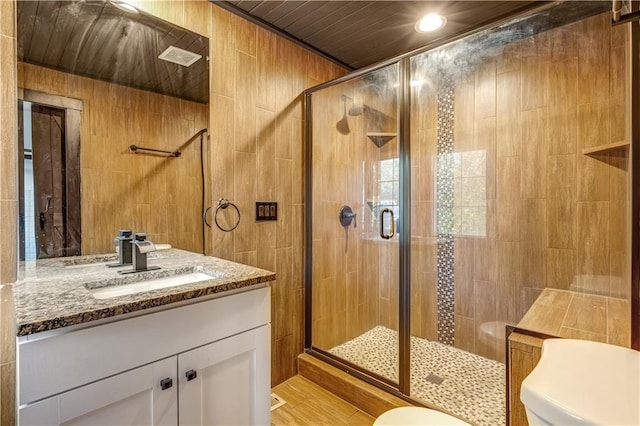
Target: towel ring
{"points": [[222, 204]]}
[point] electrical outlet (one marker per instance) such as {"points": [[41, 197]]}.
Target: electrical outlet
{"points": [[266, 210]]}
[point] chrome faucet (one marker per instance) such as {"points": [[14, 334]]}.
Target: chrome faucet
{"points": [[141, 247]]}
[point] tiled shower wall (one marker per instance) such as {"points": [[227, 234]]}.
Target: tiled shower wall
{"points": [[355, 273], [343, 304], [554, 216], [256, 136]]}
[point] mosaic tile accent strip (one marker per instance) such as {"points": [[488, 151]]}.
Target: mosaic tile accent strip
{"points": [[473, 387], [445, 215]]}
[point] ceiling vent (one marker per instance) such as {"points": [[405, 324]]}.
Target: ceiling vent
{"points": [[179, 56]]}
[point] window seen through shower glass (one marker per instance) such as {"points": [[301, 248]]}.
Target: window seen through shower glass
{"points": [[389, 178], [470, 193]]}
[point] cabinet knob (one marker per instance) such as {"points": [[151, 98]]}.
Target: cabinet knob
{"points": [[166, 383], [191, 374]]}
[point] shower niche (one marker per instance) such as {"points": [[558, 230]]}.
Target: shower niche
{"points": [[380, 127]]}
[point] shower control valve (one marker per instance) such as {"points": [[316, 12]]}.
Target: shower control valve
{"points": [[347, 216]]}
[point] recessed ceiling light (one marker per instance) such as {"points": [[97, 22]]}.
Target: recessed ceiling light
{"points": [[430, 22], [124, 6]]}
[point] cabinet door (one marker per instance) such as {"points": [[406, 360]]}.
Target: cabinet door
{"points": [[227, 382], [132, 398]]}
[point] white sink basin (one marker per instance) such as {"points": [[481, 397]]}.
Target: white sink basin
{"points": [[142, 286], [579, 382], [97, 260], [74, 262], [86, 265]]}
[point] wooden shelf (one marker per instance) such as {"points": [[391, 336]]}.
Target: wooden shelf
{"points": [[606, 149]]}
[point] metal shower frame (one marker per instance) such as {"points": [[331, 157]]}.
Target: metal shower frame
{"points": [[402, 389]]}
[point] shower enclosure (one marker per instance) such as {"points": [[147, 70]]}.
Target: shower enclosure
{"points": [[448, 187]]}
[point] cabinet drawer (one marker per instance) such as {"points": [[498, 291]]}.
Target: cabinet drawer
{"points": [[58, 363]]}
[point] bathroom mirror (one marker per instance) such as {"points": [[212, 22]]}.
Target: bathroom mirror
{"points": [[106, 41], [125, 78]]}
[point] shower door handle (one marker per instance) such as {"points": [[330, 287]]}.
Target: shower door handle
{"points": [[393, 224]]}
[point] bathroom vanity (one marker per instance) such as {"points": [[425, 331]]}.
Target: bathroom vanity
{"points": [[194, 353]]}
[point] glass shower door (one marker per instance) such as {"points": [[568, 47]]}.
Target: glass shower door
{"points": [[354, 222]]}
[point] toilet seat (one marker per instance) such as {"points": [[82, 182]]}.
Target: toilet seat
{"points": [[416, 416]]}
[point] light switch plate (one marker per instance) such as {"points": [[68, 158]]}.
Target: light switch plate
{"points": [[266, 210]]}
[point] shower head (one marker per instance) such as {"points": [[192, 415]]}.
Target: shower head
{"points": [[357, 110], [343, 124]]}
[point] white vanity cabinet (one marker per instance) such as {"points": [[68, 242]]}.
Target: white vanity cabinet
{"points": [[218, 381], [201, 363], [131, 398]]}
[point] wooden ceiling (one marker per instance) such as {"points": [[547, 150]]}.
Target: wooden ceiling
{"points": [[360, 33], [95, 39]]}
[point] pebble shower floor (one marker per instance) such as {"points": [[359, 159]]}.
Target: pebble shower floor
{"points": [[473, 387]]}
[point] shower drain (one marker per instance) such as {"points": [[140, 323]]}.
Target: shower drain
{"points": [[432, 378]]}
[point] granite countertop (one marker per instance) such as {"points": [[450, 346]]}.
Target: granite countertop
{"points": [[55, 293]]}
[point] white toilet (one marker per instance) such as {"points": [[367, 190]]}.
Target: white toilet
{"points": [[578, 382], [416, 416]]}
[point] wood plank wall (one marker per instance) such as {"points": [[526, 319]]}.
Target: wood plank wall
{"points": [[555, 217], [158, 195], [257, 153], [8, 146]]}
